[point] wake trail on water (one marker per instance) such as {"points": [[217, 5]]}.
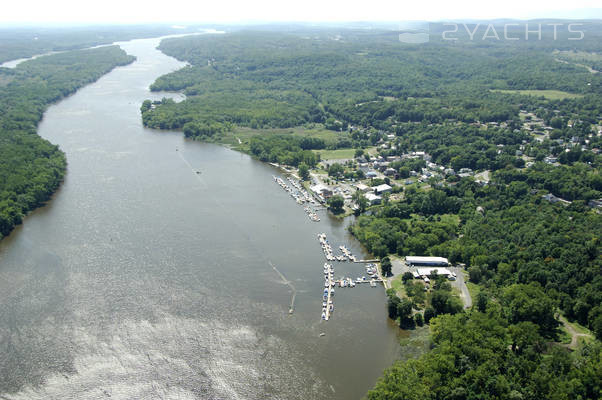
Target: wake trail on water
{"points": [[255, 247]]}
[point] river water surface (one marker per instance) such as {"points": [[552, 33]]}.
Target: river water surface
{"points": [[144, 280]]}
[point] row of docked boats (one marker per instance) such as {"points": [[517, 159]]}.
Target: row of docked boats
{"points": [[350, 282], [311, 213], [371, 270], [327, 302], [304, 195], [328, 253], [300, 195]]}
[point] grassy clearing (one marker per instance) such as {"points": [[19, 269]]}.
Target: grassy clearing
{"points": [[579, 328], [338, 154], [564, 336], [318, 131], [240, 138], [397, 284], [342, 154], [548, 94]]}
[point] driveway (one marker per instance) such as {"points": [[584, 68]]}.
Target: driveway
{"points": [[461, 285]]}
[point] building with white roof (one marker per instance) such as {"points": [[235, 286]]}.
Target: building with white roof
{"points": [[384, 188], [419, 260], [372, 198]]}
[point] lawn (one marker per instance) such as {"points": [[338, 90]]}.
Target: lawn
{"points": [[397, 284], [548, 94], [335, 154]]}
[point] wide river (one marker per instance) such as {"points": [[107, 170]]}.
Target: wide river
{"points": [[144, 280]]}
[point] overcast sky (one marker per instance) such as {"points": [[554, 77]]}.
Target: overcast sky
{"points": [[182, 11]]}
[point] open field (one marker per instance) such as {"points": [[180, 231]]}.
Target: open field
{"points": [[342, 154], [548, 94], [335, 154]]}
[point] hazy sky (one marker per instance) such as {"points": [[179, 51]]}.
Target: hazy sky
{"points": [[135, 11]]}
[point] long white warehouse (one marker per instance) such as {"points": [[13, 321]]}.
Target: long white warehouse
{"points": [[415, 260]]}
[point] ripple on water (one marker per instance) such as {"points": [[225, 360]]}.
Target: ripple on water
{"points": [[176, 358]]}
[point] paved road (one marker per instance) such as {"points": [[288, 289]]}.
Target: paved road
{"points": [[460, 284], [399, 267]]}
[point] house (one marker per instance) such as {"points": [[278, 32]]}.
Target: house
{"points": [[384, 188], [371, 174], [372, 198], [389, 172]]}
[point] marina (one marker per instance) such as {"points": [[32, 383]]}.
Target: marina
{"points": [[344, 282], [300, 195]]}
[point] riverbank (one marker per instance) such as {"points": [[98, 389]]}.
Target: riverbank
{"points": [[33, 168]]}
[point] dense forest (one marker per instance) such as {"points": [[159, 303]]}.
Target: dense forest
{"points": [[469, 104], [31, 168], [24, 42], [268, 79]]}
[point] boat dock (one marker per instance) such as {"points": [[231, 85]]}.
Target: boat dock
{"points": [[327, 303], [330, 256], [300, 195], [330, 283]]}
